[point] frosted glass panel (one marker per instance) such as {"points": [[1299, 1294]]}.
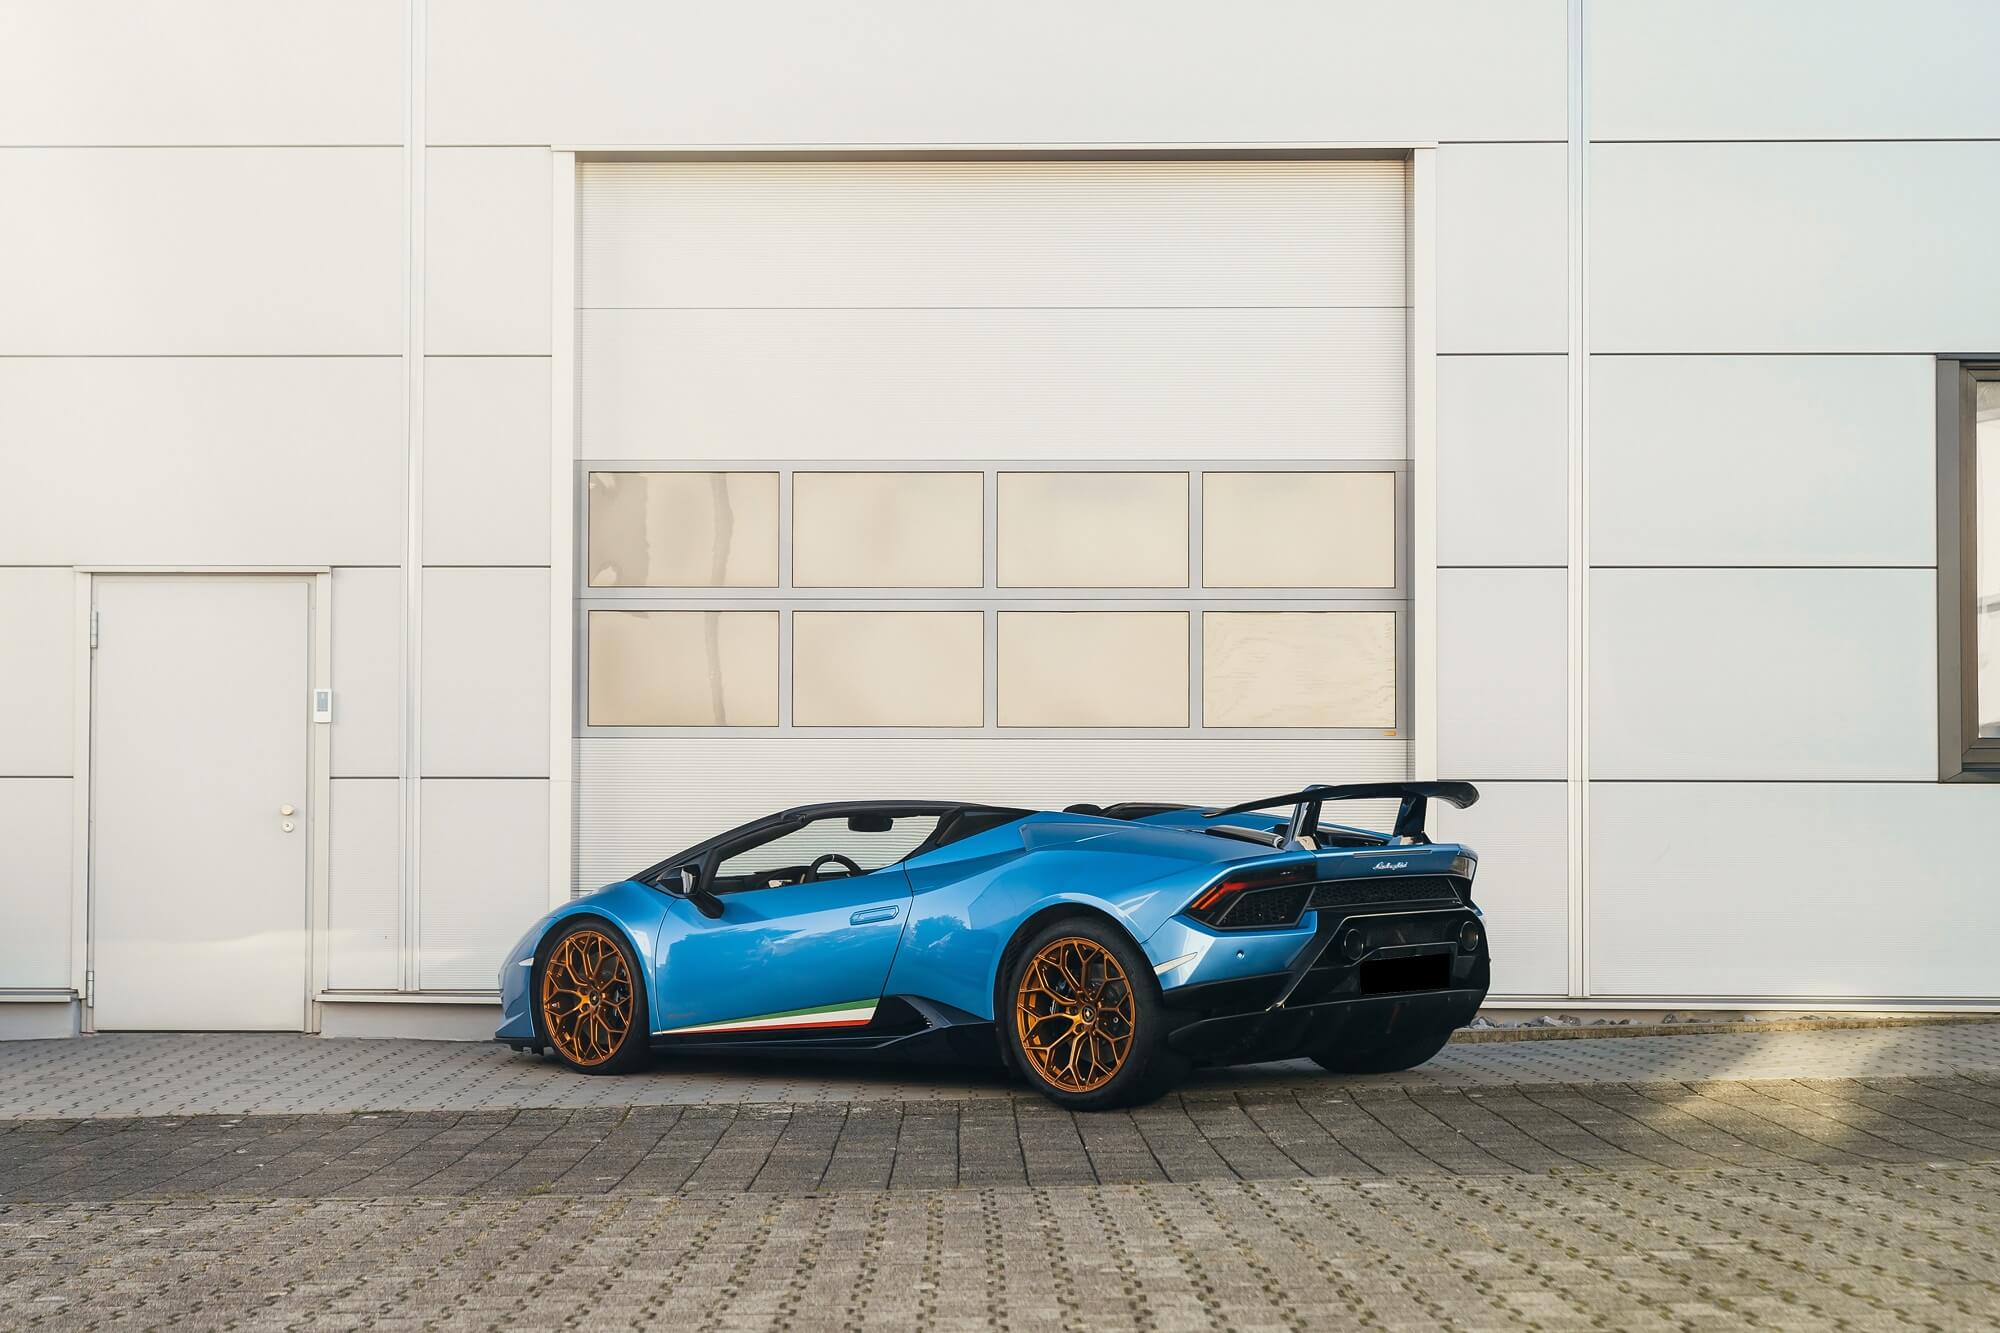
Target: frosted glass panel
{"points": [[683, 669], [1093, 668], [1299, 669], [1299, 529], [1093, 530], [1986, 587], [888, 669], [683, 530], [887, 529]]}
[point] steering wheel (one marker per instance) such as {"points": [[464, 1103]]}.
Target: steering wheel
{"points": [[812, 871]]}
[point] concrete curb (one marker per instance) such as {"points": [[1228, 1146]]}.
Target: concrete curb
{"points": [[1470, 1036]]}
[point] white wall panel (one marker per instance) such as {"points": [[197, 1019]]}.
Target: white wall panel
{"points": [[139, 460], [1793, 69], [485, 673], [1503, 460], [35, 831], [365, 885], [486, 460], [1821, 889], [1502, 667], [1502, 259], [37, 673], [367, 673], [483, 877], [487, 219], [202, 72], [952, 235], [1126, 72], [1769, 674], [1520, 830], [190, 251], [992, 384], [641, 799], [1793, 247], [1775, 460]]}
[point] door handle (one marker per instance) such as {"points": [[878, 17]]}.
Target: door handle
{"points": [[870, 915]]}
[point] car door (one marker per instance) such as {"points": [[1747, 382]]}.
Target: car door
{"points": [[789, 955]]}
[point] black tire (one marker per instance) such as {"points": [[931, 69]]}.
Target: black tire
{"points": [[1093, 1020], [1385, 1055], [590, 999]]}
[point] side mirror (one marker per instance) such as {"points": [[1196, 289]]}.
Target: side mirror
{"points": [[688, 885]]}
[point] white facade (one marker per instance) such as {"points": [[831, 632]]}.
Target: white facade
{"points": [[1608, 330]]}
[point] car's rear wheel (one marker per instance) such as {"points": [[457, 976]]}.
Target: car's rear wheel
{"points": [[589, 1004], [1384, 1055], [1081, 1017]]}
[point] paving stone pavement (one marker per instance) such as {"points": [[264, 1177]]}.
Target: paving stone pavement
{"points": [[248, 1074], [1863, 1247], [1363, 1131], [1649, 1183]]}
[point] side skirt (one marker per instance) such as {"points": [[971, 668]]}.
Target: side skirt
{"points": [[900, 1028]]}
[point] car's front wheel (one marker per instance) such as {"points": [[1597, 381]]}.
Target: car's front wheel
{"points": [[590, 1005], [1082, 1020]]}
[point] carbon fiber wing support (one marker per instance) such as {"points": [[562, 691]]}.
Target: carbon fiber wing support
{"points": [[1410, 818]]}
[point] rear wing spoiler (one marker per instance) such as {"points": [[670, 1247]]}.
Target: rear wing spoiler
{"points": [[1410, 819]]}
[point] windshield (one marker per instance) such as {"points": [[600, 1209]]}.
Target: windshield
{"points": [[786, 858]]}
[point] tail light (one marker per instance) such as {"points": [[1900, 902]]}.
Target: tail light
{"points": [[1266, 897]]}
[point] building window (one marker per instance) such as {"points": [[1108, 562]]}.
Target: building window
{"points": [[683, 668], [1093, 668], [887, 529], [887, 669], [1969, 567], [683, 530], [1252, 601], [1093, 529]]}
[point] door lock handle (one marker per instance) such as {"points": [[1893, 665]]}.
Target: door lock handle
{"points": [[870, 915]]}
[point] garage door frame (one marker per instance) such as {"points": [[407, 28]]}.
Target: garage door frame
{"points": [[1421, 628]]}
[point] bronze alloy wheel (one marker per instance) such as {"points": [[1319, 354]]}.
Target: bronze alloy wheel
{"points": [[587, 997], [1075, 1014]]}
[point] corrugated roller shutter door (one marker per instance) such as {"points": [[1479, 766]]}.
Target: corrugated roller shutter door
{"points": [[1140, 315]]}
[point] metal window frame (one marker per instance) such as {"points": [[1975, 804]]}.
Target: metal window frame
{"points": [[1963, 756]]}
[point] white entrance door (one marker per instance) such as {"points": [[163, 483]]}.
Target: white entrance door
{"points": [[200, 724]]}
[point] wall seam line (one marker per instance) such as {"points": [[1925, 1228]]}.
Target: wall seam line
{"points": [[1579, 509], [409, 974]]}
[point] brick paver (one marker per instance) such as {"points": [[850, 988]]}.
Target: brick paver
{"points": [[250, 1074], [1695, 1191], [1366, 1131], [1863, 1247]]}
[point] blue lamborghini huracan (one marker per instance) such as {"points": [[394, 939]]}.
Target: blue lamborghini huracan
{"points": [[1099, 952]]}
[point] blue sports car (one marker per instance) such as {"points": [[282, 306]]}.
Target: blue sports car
{"points": [[1100, 952]]}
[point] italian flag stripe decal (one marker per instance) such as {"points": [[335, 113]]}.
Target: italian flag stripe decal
{"points": [[847, 1014]]}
